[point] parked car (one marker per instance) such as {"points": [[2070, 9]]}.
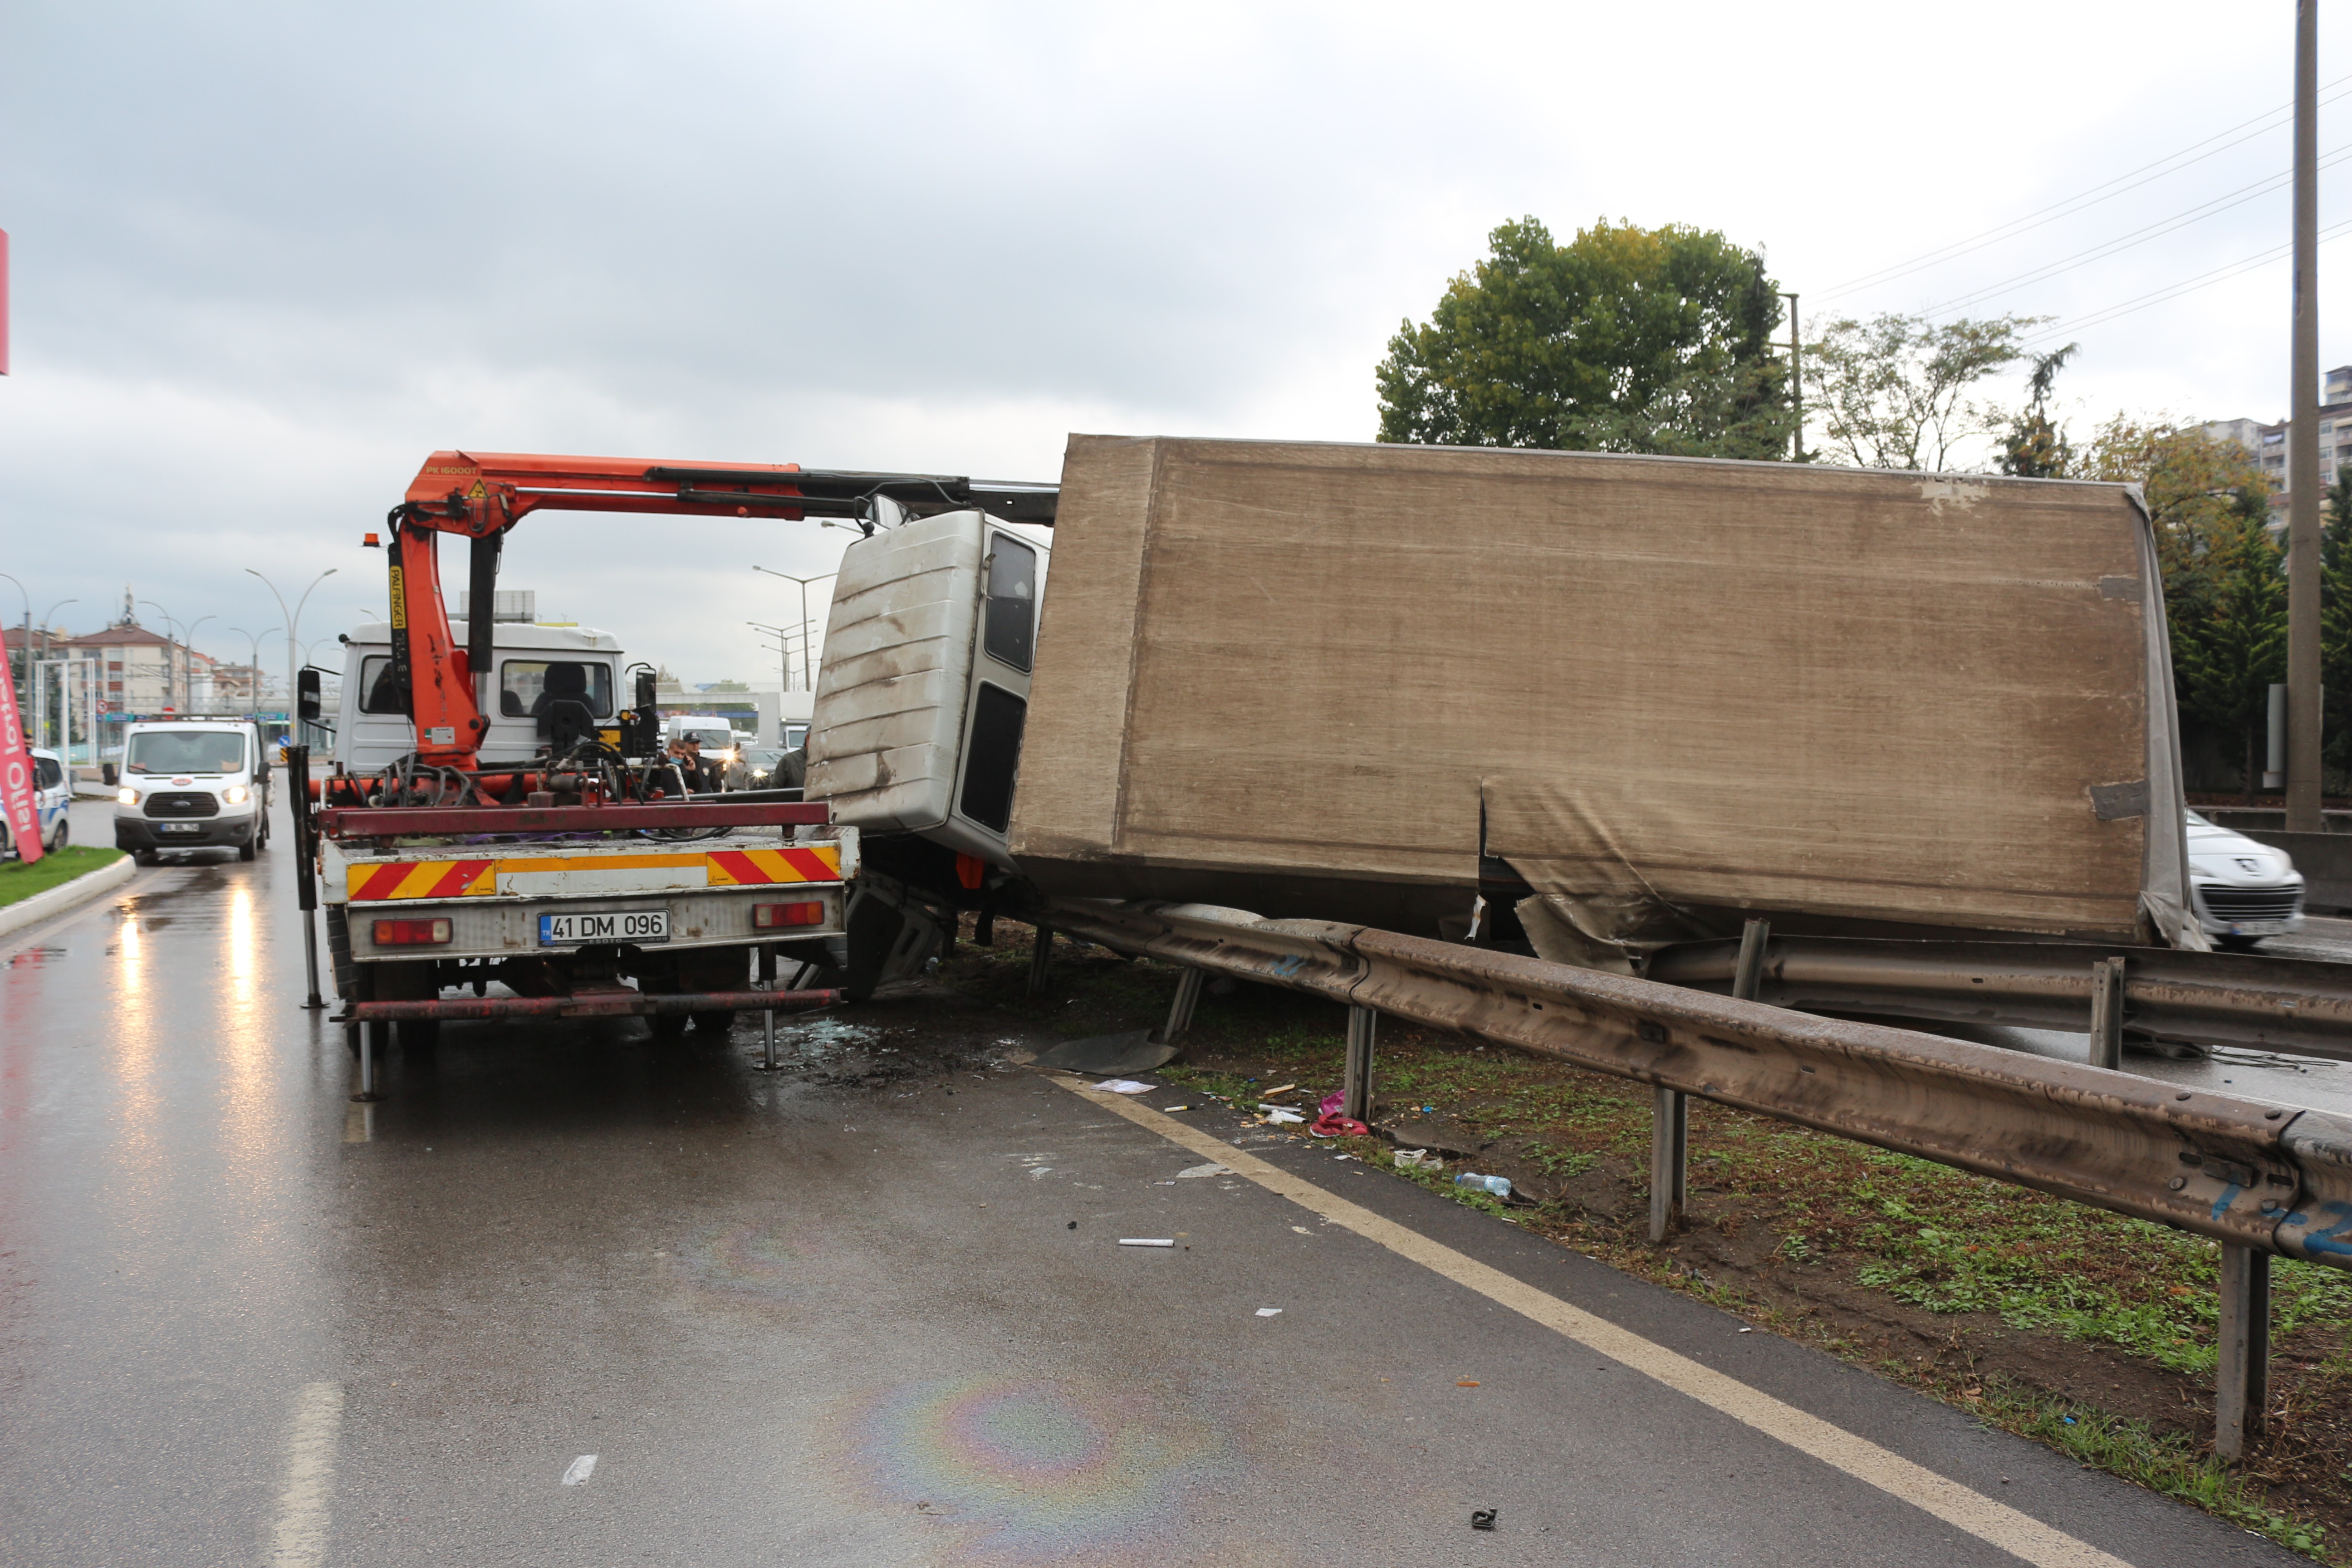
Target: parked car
{"points": [[193, 784], [52, 802], [2242, 892]]}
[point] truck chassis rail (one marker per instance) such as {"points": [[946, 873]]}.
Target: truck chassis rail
{"points": [[615, 1004]]}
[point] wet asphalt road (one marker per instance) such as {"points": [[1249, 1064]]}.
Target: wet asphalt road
{"points": [[869, 1310]]}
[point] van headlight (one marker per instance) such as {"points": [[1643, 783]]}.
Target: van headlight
{"points": [[126, 795], [235, 795]]}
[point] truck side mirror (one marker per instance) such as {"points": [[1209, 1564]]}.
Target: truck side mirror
{"points": [[306, 700]]}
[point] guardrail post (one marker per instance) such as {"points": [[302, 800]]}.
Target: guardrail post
{"points": [[1180, 1012], [1356, 1086], [2107, 1013], [2243, 1380], [1669, 1115], [1040, 956]]}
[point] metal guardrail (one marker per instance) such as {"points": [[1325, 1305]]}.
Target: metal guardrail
{"points": [[2258, 1177], [2239, 1170], [2298, 1004]]}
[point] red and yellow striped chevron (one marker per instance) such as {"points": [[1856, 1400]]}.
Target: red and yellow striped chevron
{"points": [[475, 878]]}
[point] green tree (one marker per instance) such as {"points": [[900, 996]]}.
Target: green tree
{"points": [[1895, 391], [2336, 623], [2238, 647], [1623, 340], [2199, 489], [2036, 446]]}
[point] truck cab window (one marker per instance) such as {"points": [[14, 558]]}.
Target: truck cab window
{"points": [[376, 692], [527, 687], [1010, 634], [992, 757]]}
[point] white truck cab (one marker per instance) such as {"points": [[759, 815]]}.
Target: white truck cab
{"points": [[193, 784], [532, 666]]}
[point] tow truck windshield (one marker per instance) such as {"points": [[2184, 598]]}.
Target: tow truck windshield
{"points": [[185, 751]]}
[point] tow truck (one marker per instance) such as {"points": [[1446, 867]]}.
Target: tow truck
{"points": [[585, 879]]}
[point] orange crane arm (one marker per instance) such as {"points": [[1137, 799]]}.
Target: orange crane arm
{"points": [[481, 495]]}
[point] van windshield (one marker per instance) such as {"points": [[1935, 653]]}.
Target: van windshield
{"points": [[185, 751]]}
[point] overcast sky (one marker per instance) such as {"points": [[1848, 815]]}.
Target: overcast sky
{"points": [[268, 258]]}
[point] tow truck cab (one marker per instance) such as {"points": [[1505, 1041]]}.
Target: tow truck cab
{"points": [[533, 665]]}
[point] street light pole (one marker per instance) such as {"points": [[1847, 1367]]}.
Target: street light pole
{"points": [[171, 641], [187, 664], [253, 660], [293, 652], [41, 690], [807, 672]]}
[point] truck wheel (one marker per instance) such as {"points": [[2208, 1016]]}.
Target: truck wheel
{"points": [[246, 850], [874, 928], [143, 858]]}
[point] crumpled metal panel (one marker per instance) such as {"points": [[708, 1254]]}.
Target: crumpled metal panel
{"points": [[2226, 1166]]}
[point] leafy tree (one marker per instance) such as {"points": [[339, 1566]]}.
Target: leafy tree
{"points": [[2239, 646], [2035, 448], [2335, 622], [1623, 340], [2199, 489], [1893, 391]]}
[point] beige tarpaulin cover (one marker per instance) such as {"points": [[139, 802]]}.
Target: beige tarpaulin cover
{"points": [[1673, 689]]}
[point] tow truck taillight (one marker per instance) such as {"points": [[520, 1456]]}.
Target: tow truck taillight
{"points": [[411, 933], [766, 917]]}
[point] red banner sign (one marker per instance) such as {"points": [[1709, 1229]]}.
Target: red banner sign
{"points": [[18, 798]]}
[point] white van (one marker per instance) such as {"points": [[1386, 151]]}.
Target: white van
{"points": [[535, 665], [193, 784]]}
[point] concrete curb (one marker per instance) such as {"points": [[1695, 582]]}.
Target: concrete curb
{"points": [[65, 896]]}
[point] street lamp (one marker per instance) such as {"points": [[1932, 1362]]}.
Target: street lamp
{"points": [[170, 640], [783, 636], [803, 582], [293, 621], [187, 664], [253, 660]]}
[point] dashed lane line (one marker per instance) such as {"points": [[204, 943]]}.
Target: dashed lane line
{"points": [[305, 1500], [1964, 1507]]}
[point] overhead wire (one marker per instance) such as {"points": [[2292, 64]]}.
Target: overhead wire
{"points": [[2171, 164], [2173, 291], [2123, 242]]}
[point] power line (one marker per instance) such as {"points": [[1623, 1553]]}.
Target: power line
{"points": [[2091, 196], [2173, 291], [2219, 204]]}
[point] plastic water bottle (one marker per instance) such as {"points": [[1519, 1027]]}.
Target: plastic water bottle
{"points": [[1498, 1185]]}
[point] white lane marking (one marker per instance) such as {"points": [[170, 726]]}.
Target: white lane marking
{"points": [[1995, 1523], [1269, 1311], [582, 1468], [1211, 1169], [304, 1501]]}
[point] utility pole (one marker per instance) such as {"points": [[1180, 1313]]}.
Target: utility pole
{"points": [[2303, 739], [1796, 381]]}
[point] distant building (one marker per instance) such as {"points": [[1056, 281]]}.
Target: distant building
{"points": [[2268, 443]]}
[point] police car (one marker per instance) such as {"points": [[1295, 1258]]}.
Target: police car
{"points": [[53, 797]]}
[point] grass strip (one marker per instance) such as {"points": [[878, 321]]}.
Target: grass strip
{"points": [[18, 880]]}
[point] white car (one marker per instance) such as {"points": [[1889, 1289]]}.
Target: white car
{"points": [[2242, 892]]}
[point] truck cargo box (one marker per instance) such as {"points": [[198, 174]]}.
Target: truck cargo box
{"points": [[1318, 680]]}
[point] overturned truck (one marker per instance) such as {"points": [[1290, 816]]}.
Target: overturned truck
{"points": [[1600, 706]]}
